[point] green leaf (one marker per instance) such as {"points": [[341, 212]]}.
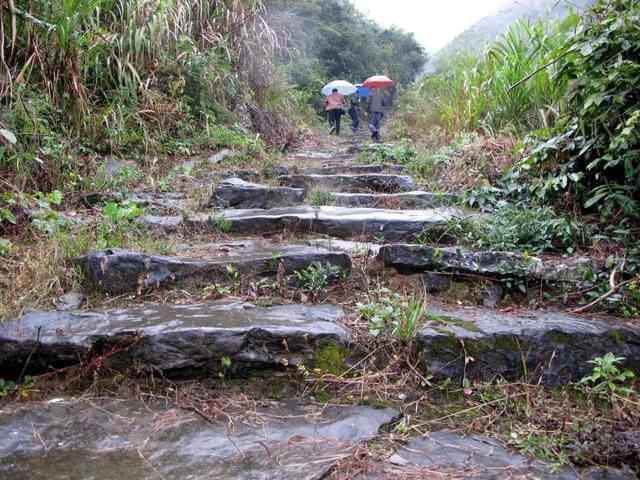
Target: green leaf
{"points": [[56, 197], [9, 136], [6, 214]]}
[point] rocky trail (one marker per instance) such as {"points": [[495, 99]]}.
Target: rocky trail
{"points": [[260, 288]]}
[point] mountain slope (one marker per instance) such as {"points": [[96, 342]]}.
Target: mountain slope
{"points": [[489, 27]]}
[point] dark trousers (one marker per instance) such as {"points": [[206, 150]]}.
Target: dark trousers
{"points": [[355, 121], [334, 119], [374, 123]]}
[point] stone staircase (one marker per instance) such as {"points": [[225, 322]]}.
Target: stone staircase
{"points": [[372, 205]]}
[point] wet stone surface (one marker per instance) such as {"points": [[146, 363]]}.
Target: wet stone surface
{"points": [[355, 183], [340, 222], [118, 271], [236, 193], [159, 201], [448, 454], [349, 169], [179, 340], [554, 346], [117, 440], [416, 258], [404, 200]]}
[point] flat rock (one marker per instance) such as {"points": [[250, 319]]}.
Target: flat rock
{"points": [[453, 455], [348, 169], [378, 182], [107, 439], [118, 271], [554, 346], [163, 201], [419, 258], [357, 248], [339, 222], [178, 340], [409, 200], [70, 300], [237, 193]]}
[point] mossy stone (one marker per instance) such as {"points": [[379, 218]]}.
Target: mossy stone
{"points": [[330, 358]]}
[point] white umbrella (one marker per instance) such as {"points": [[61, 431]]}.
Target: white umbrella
{"points": [[344, 88]]}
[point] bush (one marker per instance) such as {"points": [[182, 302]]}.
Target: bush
{"points": [[517, 228], [594, 153]]}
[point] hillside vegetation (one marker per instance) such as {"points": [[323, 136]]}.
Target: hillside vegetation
{"points": [[548, 115], [490, 27]]}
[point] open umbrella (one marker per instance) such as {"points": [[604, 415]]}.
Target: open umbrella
{"points": [[378, 81], [362, 90], [344, 87]]}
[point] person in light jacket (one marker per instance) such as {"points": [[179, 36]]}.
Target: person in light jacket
{"points": [[334, 103]]}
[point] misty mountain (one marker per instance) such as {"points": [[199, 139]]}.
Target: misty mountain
{"points": [[489, 27]]}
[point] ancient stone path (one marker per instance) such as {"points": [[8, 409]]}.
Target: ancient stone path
{"points": [[373, 205]]}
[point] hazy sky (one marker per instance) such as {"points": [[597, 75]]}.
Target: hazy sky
{"points": [[434, 22]]}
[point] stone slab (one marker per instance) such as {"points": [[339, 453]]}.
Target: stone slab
{"points": [[349, 169], [163, 201], [355, 183], [105, 439], [405, 200], [177, 340], [420, 258], [553, 346], [339, 222], [449, 454], [119, 271], [237, 193]]}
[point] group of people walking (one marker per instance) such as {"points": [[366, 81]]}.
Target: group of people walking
{"points": [[335, 104]]}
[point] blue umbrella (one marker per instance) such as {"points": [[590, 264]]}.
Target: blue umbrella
{"points": [[362, 90]]}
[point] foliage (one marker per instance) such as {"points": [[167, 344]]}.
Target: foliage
{"points": [[471, 91], [316, 277], [607, 379], [402, 154], [130, 78], [336, 41], [390, 312], [626, 300], [516, 228], [319, 196], [597, 144]]}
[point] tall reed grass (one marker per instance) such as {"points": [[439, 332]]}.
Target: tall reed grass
{"points": [[512, 86]]}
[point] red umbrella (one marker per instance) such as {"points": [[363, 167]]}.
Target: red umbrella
{"points": [[378, 81]]}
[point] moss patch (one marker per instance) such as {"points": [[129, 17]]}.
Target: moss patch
{"points": [[330, 358]]}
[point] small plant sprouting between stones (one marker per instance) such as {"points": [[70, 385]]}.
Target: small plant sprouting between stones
{"points": [[394, 313], [217, 290], [7, 387], [316, 277], [225, 365], [235, 276], [222, 224], [320, 196], [606, 378]]}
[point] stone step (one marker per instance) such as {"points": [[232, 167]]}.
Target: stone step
{"points": [[356, 183], [405, 200], [107, 439], [158, 201], [339, 222], [552, 347], [237, 193], [420, 258], [185, 341], [455, 455], [351, 169], [119, 271]]}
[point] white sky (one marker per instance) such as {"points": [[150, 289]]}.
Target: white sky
{"points": [[434, 22]]}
